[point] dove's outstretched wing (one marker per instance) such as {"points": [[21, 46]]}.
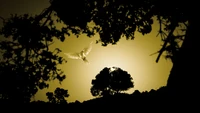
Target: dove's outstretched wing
{"points": [[88, 49], [73, 55]]}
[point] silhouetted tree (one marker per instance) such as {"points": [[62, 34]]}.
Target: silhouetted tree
{"points": [[27, 63], [58, 96], [110, 82]]}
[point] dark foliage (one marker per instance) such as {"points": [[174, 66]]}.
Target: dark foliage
{"points": [[27, 64], [58, 96], [115, 18]]}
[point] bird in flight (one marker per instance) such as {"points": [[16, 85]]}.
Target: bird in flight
{"points": [[81, 55]]}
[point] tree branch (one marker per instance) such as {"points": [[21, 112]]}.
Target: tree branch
{"points": [[166, 41], [48, 17], [40, 17]]}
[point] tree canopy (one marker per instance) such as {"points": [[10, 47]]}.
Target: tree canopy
{"points": [[115, 18], [110, 82]]}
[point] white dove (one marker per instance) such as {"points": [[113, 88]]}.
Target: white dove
{"points": [[81, 55]]}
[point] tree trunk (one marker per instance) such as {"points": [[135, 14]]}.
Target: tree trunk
{"points": [[183, 79]]}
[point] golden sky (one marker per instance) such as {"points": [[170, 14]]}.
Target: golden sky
{"points": [[132, 56]]}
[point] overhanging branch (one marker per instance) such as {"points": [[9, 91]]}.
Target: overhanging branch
{"points": [[169, 36]]}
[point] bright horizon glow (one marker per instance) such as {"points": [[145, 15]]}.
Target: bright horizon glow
{"points": [[131, 56]]}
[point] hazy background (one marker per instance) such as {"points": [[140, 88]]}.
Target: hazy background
{"points": [[131, 56]]}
